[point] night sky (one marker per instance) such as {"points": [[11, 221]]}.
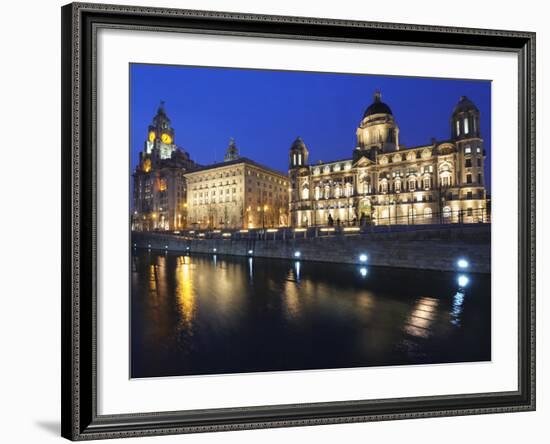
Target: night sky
{"points": [[266, 110]]}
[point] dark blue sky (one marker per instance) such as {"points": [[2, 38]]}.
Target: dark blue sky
{"points": [[266, 110]]}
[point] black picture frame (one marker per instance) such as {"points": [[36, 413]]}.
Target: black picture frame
{"points": [[79, 174]]}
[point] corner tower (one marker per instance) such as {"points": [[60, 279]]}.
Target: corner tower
{"points": [[299, 178], [466, 134], [465, 119]]}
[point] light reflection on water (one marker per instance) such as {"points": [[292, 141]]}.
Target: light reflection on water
{"points": [[216, 314]]}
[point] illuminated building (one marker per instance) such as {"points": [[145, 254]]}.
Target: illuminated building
{"points": [[385, 182], [160, 191], [237, 193]]}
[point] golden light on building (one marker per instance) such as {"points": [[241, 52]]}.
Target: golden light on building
{"points": [[384, 182], [147, 165], [236, 194]]}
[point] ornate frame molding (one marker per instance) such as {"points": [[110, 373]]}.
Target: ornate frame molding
{"points": [[80, 22]]}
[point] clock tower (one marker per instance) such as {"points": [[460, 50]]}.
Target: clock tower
{"points": [[160, 136]]}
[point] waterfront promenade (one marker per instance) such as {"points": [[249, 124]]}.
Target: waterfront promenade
{"points": [[427, 247]]}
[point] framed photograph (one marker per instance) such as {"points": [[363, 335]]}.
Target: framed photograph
{"points": [[280, 221]]}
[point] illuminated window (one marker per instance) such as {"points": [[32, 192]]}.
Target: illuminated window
{"points": [[457, 128], [147, 165], [445, 179], [397, 186], [466, 129], [305, 193], [162, 184], [427, 213], [427, 182], [446, 212], [468, 150], [412, 184]]}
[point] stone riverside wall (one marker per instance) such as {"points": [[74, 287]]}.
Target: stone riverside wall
{"points": [[433, 249]]}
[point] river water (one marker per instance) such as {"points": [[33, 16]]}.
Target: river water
{"points": [[193, 315]]}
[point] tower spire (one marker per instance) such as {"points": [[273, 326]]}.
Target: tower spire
{"points": [[232, 152]]}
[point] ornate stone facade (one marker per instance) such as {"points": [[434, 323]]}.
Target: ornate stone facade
{"points": [[160, 191], [238, 194], [386, 183]]}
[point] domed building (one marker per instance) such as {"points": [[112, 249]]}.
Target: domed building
{"points": [[387, 183], [377, 130]]}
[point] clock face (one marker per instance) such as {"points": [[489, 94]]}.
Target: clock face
{"points": [[151, 136], [166, 138]]}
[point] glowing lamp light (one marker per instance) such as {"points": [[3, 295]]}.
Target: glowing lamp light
{"points": [[297, 254], [363, 271], [462, 263], [214, 250], [166, 247], [250, 252], [363, 258], [187, 248], [463, 281]]}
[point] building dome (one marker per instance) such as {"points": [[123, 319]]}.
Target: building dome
{"points": [[377, 107], [464, 105]]}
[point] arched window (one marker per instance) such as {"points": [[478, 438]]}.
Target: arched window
{"points": [[337, 192], [446, 212], [349, 189], [412, 184], [466, 129], [445, 179], [427, 213], [384, 186], [397, 185], [327, 192], [458, 128], [317, 193], [305, 193], [427, 182]]}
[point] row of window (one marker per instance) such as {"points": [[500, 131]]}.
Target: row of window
{"points": [[468, 162], [335, 168]]}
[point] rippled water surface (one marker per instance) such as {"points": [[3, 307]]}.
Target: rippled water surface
{"points": [[205, 314]]}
